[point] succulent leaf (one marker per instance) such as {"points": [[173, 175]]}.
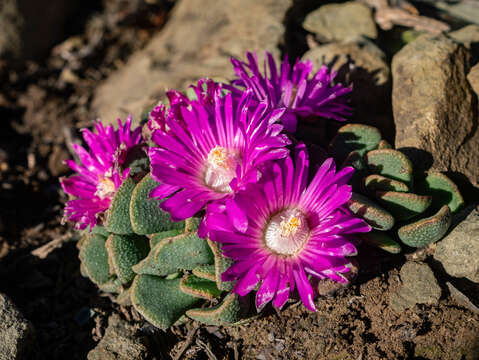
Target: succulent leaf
{"points": [[195, 286], [443, 191], [117, 218], [354, 137], [425, 231], [206, 271], [111, 286], [94, 258], [403, 206], [221, 265], [377, 182], [146, 216], [156, 238], [125, 251], [356, 160], [381, 240], [391, 163], [372, 213], [159, 300], [226, 313], [182, 252]]}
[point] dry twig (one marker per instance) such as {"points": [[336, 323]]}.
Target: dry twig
{"points": [[188, 341], [43, 251], [407, 15]]}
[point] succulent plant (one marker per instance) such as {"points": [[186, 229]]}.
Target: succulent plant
{"points": [[160, 267], [400, 204]]}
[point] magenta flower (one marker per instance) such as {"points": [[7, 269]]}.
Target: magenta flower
{"points": [[204, 91], [221, 150], [294, 229], [100, 172], [292, 88]]}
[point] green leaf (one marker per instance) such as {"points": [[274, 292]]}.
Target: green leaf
{"points": [[182, 252], [403, 206], [425, 231], [160, 301], [94, 258], [156, 238], [354, 137], [146, 215], [206, 271], [221, 265], [381, 240], [125, 251], [372, 213], [226, 313], [443, 191], [377, 182], [118, 215], [202, 288], [391, 163], [111, 286]]}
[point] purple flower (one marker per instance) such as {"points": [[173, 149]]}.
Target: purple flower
{"points": [[204, 91], [292, 88], [217, 152], [100, 172], [294, 229]]}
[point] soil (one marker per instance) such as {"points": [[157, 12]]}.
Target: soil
{"points": [[42, 107]]}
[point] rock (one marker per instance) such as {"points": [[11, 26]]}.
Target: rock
{"points": [[197, 41], [469, 37], [473, 78], [461, 299], [16, 332], [419, 286], [458, 252], [338, 22], [120, 342], [26, 35], [364, 64], [434, 106]]}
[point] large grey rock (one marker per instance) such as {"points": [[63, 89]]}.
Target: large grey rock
{"points": [[16, 332], [197, 41], [338, 22], [365, 65], [120, 342], [459, 250], [29, 28], [434, 106], [419, 286]]}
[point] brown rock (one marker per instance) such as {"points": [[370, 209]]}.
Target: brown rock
{"points": [[434, 106], [473, 78], [419, 286], [119, 343], [458, 252], [338, 22], [363, 64], [197, 41], [16, 333]]}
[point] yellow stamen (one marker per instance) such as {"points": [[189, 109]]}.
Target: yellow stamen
{"points": [[105, 187], [218, 156], [290, 227]]}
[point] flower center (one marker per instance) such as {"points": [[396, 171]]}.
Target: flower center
{"points": [[105, 188], [287, 232], [220, 169]]}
